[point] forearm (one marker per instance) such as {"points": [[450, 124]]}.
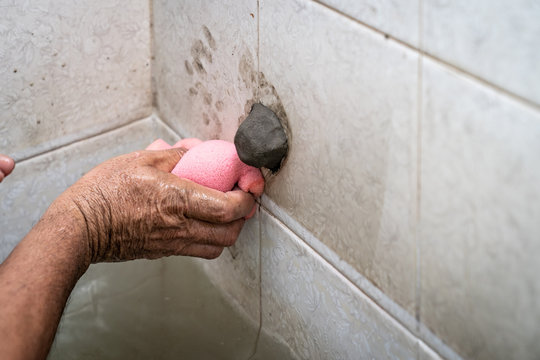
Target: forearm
{"points": [[36, 280]]}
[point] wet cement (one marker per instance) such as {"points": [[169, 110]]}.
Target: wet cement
{"points": [[261, 140]]}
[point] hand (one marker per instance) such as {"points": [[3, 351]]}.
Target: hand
{"points": [[6, 166], [132, 207]]}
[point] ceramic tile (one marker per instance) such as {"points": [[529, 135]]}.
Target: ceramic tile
{"points": [[495, 40], [350, 99], [396, 18], [479, 218], [204, 71], [35, 183], [236, 271], [69, 71], [164, 309], [316, 311]]}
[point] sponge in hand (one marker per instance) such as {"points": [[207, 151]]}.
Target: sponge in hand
{"points": [[215, 164]]}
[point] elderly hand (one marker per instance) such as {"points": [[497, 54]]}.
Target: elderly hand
{"points": [[133, 207], [126, 208]]}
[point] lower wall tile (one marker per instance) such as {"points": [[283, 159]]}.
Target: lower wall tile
{"points": [[162, 309], [316, 311]]}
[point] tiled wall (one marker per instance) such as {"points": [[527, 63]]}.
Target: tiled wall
{"points": [[69, 70], [405, 222]]}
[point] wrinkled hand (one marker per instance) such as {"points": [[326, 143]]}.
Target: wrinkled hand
{"points": [[133, 207]]}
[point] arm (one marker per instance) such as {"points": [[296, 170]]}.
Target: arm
{"points": [[127, 208]]}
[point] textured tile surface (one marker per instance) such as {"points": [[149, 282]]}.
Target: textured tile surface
{"points": [[69, 70], [480, 216], [496, 40], [205, 63], [350, 99], [316, 311], [397, 18], [35, 183]]}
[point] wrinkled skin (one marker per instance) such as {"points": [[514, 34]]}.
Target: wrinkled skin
{"points": [[134, 208]]}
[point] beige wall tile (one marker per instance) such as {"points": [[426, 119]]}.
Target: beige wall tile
{"points": [[350, 99], [164, 309], [480, 211], [494, 39], [71, 70], [205, 65]]}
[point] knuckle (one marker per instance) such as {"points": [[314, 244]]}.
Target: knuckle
{"points": [[224, 212]]}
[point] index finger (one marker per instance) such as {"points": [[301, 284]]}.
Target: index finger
{"points": [[215, 206]]}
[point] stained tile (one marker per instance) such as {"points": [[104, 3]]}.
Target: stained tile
{"points": [[495, 40], [396, 18], [71, 70], [316, 311], [479, 218], [205, 65], [350, 99], [35, 183]]}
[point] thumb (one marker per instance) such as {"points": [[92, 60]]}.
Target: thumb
{"points": [[164, 160]]}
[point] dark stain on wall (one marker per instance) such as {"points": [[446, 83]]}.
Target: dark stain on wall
{"points": [[189, 69], [209, 38]]}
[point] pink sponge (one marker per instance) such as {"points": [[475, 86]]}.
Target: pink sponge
{"points": [[214, 164]]}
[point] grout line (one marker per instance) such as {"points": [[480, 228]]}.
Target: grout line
{"points": [[259, 204], [518, 98], [167, 125], [77, 140], [258, 49], [255, 347], [419, 117], [153, 89]]}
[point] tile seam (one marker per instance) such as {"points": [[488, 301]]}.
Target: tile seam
{"points": [[256, 345], [483, 81], [80, 140], [152, 53], [419, 119]]}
